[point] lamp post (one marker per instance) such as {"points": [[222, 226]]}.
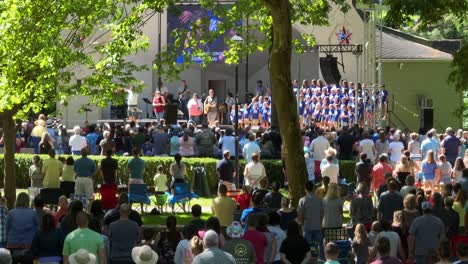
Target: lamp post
{"points": [[239, 39]]}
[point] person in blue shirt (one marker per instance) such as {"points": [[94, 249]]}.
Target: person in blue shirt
{"points": [[255, 114], [246, 115], [91, 140], [429, 167], [429, 144], [256, 201], [85, 168], [265, 115], [307, 115], [344, 118], [324, 115]]}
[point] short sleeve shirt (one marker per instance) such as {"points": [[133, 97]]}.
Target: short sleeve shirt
{"points": [[83, 238], [241, 249], [311, 206], [52, 169], [137, 167], [295, 249], [428, 231]]}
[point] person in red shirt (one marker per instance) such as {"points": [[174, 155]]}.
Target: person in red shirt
{"points": [[244, 199], [62, 211], [159, 105], [379, 170], [256, 237]]}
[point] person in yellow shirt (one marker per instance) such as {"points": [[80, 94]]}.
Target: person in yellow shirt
{"points": [[52, 170], [160, 180], [223, 207]]}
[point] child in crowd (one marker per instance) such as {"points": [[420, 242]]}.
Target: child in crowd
{"points": [[286, 213], [160, 180], [35, 173], [331, 253], [196, 217], [445, 170], [360, 244], [196, 245], [68, 177], [149, 238], [246, 115], [244, 199], [3, 220]]}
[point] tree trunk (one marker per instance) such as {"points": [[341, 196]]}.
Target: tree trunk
{"points": [[9, 158], [283, 97]]}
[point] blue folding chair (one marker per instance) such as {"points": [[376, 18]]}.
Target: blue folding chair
{"points": [[182, 196], [138, 193]]}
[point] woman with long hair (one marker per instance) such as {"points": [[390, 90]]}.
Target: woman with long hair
{"points": [[48, 242], [445, 171], [333, 208], [186, 143], [403, 170], [459, 206], [360, 245], [177, 170], [294, 248], [414, 146], [429, 169], [45, 144], [458, 169], [168, 240], [68, 223]]}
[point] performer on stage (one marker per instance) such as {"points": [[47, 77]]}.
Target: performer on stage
{"points": [[184, 94], [159, 105], [210, 108], [132, 101], [195, 108]]}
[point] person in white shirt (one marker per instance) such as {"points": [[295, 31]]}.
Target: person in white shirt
{"points": [[317, 148], [254, 172], [77, 142], [195, 108], [331, 170], [367, 146], [250, 148], [132, 100], [395, 149]]}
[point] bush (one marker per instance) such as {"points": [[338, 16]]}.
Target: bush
{"points": [[23, 162]]}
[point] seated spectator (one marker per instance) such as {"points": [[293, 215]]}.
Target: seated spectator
{"points": [[183, 253], [96, 214], [144, 255], [273, 198], [160, 181], [331, 253], [332, 208], [123, 236], [322, 190], [286, 213], [294, 248], [410, 181], [270, 251], [453, 219], [196, 217], [148, 235], [39, 208], [389, 203], [244, 198], [256, 237], [168, 240], [362, 209], [5, 256], [47, 244], [223, 207], [63, 208], [384, 187], [459, 206], [236, 232], [114, 214], [255, 204], [213, 224], [212, 254], [262, 191], [280, 235], [382, 246], [21, 225]]}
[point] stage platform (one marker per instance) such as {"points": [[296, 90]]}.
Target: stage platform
{"points": [[140, 121]]}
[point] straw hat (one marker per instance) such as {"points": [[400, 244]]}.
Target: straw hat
{"points": [[144, 255], [82, 256]]}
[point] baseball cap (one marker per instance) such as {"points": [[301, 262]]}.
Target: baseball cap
{"points": [[426, 205]]}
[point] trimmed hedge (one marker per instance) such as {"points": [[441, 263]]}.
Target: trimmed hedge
{"points": [[274, 168]]}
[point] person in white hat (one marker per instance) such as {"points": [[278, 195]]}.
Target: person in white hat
{"points": [[77, 142], [144, 255], [5, 256], [82, 256]]}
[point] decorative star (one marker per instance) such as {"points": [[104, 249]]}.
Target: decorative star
{"points": [[344, 36]]}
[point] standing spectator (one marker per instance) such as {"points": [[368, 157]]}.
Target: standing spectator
{"points": [[228, 142], [21, 225], [254, 172], [457, 171], [256, 237], [273, 198], [195, 109], [464, 180], [364, 169], [85, 169], [212, 254], [114, 214], [255, 203], [5, 256], [396, 149], [177, 170], [382, 145], [186, 144], [439, 210], [330, 170], [123, 236], [63, 209], [159, 105], [91, 140], [205, 141], [310, 216], [362, 208], [332, 208], [270, 251], [429, 170], [168, 240], [136, 168], [37, 131], [236, 232], [367, 146], [160, 180], [223, 207], [52, 169], [382, 246], [345, 143], [183, 253], [3, 220], [35, 172], [408, 214], [453, 220], [68, 177], [96, 216], [451, 146], [396, 249], [318, 147], [445, 169], [280, 235], [138, 139], [294, 249], [84, 238], [46, 143], [106, 143], [425, 234], [462, 253], [160, 141], [403, 170], [379, 170], [211, 109], [68, 222], [225, 169], [250, 148], [430, 143], [389, 202], [286, 213], [414, 146], [109, 168], [360, 245], [77, 142], [47, 244]]}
